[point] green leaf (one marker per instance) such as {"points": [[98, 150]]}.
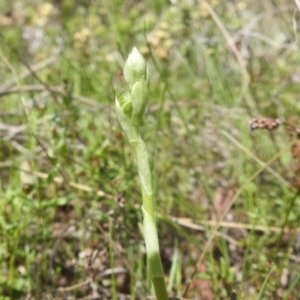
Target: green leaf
{"points": [[126, 124], [59, 201], [143, 165], [139, 94], [125, 102]]}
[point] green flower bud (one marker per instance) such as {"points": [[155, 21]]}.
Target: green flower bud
{"points": [[124, 100], [135, 68], [138, 94]]}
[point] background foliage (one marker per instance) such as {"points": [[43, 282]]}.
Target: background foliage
{"points": [[69, 196]]}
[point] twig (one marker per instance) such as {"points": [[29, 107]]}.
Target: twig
{"points": [[271, 41], [298, 4], [14, 130], [60, 180], [74, 287], [75, 185], [188, 222], [233, 295], [10, 83], [54, 89]]}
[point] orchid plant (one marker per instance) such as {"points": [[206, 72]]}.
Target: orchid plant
{"points": [[130, 108]]}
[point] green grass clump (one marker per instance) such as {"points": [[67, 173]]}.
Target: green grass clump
{"points": [[70, 209]]}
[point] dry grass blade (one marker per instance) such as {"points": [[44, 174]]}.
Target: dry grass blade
{"points": [[54, 89], [255, 158], [298, 4], [10, 83]]}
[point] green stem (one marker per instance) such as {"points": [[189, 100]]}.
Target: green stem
{"points": [[150, 232], [160, 288], [154, 259]]}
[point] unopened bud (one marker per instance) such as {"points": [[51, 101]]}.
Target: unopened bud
{"points": [[135, 68]]}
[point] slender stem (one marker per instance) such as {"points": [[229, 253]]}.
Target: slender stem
{"points": [[160, 288], [152, 245], [111, 260]]}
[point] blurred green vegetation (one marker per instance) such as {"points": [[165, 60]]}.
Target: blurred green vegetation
{"points": [[69, 196]]}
